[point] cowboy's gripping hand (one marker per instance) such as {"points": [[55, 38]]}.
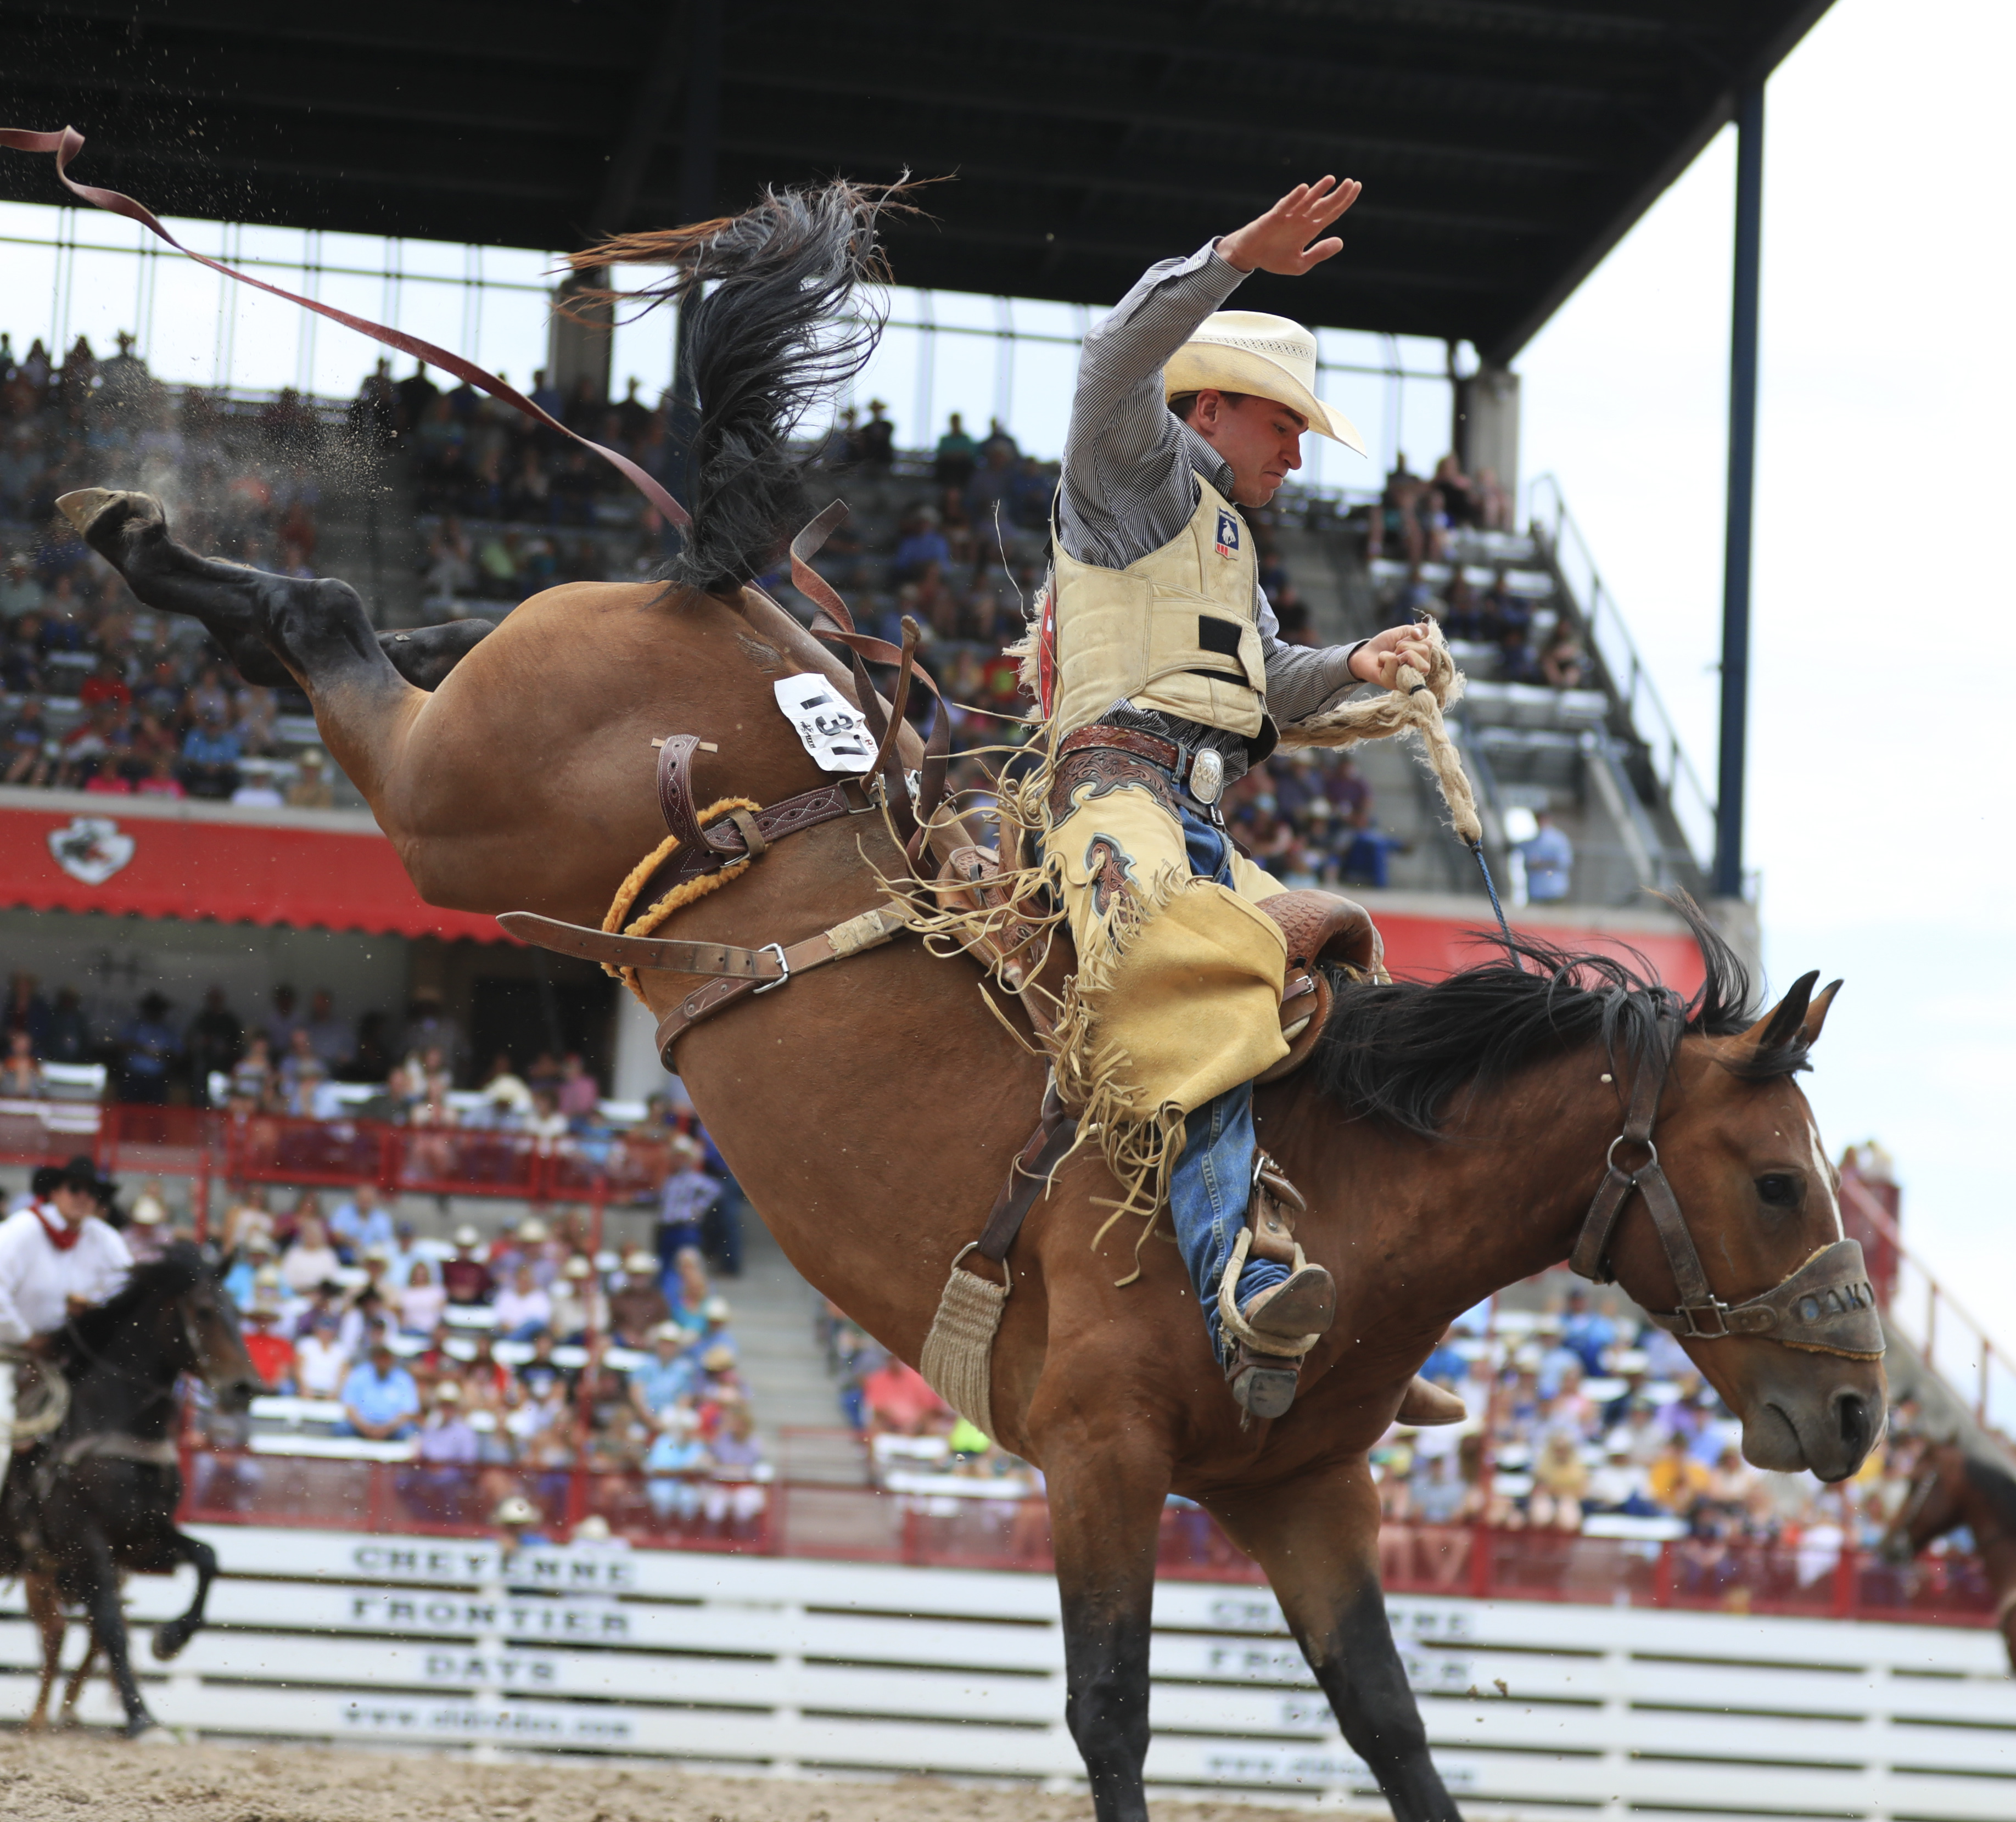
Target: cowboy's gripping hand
{"points": [[1279, 240], [1378, 660]]}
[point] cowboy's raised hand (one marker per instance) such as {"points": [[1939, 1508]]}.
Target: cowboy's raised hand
{"points": [[1279, 241]]}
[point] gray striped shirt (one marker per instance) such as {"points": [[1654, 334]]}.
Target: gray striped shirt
{"points": [[1130, 471]]}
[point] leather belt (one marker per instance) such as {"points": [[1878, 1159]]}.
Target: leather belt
{"points": [[1157, 752]]}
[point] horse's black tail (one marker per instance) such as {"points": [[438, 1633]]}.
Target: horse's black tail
{"points": [[766, 333]]}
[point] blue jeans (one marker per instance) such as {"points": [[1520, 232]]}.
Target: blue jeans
{"points": [[1212, 1184]]}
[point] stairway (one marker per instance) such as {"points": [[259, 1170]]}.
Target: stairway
{"points": [[782, 1359]]}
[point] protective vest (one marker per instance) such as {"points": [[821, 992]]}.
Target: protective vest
{"points": [[1175, 631]]}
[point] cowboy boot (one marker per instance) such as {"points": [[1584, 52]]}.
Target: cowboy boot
{"points": [[1304, 1303], [1425, 1404]]}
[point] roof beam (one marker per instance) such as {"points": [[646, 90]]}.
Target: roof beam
{"points": [[648, 107]]}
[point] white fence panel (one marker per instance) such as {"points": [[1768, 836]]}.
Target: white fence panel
{"points": [[1533, 1709]]}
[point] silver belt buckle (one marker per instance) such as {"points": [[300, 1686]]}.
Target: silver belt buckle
{"points": [[1208, 775]]}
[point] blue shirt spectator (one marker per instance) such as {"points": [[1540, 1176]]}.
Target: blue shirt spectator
{"points": [[1589, 1333], [206, 745], [1549, 856], [668, 1375], [362, 1222], [380, 1399]]}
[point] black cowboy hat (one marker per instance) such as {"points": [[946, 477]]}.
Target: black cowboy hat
{"points": [[82, 1173]]}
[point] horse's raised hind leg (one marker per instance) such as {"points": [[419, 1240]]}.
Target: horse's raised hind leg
{"points": [[1318, 1539], [1106, 1509], [365, 684], [172, 1635]]}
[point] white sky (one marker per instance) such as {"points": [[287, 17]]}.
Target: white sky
{"points": [[1885, 467]]}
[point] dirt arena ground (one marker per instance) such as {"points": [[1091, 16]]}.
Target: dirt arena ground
{"points": [[67, 1780]]}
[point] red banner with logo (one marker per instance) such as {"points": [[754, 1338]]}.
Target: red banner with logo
{"points": [[328, 871]]}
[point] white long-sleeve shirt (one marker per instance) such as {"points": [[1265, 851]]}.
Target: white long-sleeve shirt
{"points": [[36, 1278]]}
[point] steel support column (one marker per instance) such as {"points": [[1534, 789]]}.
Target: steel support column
{"points": [[1742, 488]]}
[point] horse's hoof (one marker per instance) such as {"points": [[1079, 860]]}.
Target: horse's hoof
{"points": [[102, 514], [147, 1731], [169, 1640], [84, 505]]}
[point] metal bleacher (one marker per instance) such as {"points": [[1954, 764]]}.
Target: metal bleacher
{"points": [[1604, 760]]}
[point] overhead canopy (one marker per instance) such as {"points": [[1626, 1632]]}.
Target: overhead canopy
{"points": [[1504, 147], [63, 851]]}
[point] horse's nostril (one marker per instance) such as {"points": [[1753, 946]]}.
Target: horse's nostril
{"points": [[1853, 1416]]}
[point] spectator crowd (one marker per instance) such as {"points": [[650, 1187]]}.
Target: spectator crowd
{"points": [[1584, 1416], [100, 694]]}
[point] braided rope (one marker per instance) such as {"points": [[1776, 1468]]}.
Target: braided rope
{"points": [[678, 898], [1413, 706]]}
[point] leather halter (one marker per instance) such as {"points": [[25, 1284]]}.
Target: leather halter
{"points": [[1827, 1304]]}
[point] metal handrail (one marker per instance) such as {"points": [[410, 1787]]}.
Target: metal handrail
{"points": [[1984, 1353], [1554, 528]]}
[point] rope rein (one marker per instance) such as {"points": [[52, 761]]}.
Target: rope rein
{"points": [[1414, 706]]}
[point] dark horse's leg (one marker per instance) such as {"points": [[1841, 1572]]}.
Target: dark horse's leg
{"points": [[108, 1625], [1106, 1509], [1318, 1539], [365, 686], [242, 608], [170, 1637]]}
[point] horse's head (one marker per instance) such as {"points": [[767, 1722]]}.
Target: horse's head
{"points": [[1933, 1505], [210, 1336], [1802, 1365]]}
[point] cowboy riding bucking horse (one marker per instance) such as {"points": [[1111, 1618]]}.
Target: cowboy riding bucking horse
{"points": [[1162, 679]]}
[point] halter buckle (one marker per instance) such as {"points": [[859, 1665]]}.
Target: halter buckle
{"points": [[783, 962], [1695, 1331]]}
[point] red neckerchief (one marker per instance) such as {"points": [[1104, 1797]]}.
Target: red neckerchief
{"points": [[62, 1236]]}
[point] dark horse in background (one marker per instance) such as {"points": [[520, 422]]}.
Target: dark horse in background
{"points": [[97, 1498], [1953, 1488], [1450, 1136]]}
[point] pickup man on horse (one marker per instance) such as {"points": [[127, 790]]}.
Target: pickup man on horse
{"points": [[1163, 680], [57, 1256]]}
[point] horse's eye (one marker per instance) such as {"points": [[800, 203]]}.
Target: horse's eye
{"points": [[1780, 1191]]}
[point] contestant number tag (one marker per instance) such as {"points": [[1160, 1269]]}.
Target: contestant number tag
{"points": [[830, 726]]}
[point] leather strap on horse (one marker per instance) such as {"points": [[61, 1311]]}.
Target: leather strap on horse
{"points": [[1028, 1174], [742, 834], [65, 145], [1826, 1306], [870, 930], [1590, 1258]]}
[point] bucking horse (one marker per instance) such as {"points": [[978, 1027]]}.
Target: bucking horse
{"points": [[1452, 1136], [97, 1498]]}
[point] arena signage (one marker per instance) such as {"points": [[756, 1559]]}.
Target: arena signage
{"points": [[333, 870]]}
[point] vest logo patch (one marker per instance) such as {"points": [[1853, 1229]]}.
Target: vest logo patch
{"points": [[1228, 534]]}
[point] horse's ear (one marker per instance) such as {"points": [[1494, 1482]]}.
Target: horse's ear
{"points": [[1810, 1026], [1776, 1028]]}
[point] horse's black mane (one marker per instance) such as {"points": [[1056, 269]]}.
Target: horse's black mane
{"points": [[771, 324], [1400, 1052], [1996, 1485], [177, 1272]]}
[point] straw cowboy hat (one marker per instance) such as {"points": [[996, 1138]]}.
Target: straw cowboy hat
{"points": [[1271, 357]]}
